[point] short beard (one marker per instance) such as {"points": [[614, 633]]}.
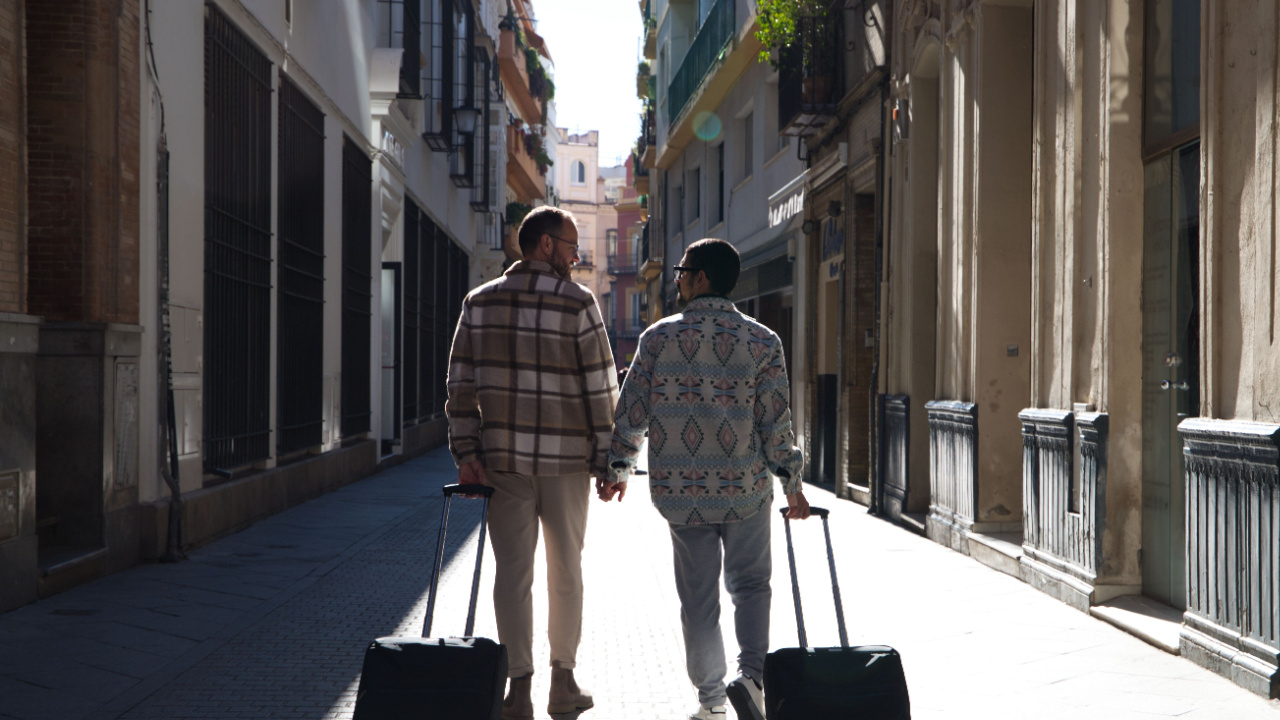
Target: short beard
{"points": [[564, 271]]}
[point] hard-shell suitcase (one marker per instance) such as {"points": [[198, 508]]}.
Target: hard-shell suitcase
{"points": [[850, 683], [447, 678]]}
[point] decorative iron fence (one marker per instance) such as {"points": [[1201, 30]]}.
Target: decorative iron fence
{"points": [[357, 288], [300, 274], [953, 476], [1064, 489], [896, 446], [1232, 622], [237, 263], [708, 46]]}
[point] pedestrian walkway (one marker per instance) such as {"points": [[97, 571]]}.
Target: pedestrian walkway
{"points": [[272, 622]]}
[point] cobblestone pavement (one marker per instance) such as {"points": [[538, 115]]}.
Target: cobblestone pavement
{"points": [[272, 622]]}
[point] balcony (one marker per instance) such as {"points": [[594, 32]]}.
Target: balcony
{"points": [[621, 264], [522, 169], [708, 47], [650, 32], [649, 140], [810, 75], [650, 263], [513, 67]]}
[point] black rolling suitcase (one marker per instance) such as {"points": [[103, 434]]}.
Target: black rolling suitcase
{"points": [[448, 678], [850, 683]]}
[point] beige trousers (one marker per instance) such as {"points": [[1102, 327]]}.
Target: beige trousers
{"points": [[519, 502]]}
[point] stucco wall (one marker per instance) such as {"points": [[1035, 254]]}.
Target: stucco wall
{"points": [[1240, 372]]}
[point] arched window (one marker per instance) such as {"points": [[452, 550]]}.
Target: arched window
{"points": [[578, 175]]}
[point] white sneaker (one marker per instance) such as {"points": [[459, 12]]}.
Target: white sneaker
{"points": [[747, 697], [715, 712]]}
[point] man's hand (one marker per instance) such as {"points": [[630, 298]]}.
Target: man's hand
{"points": [[606, 489], [797, 506], [471, 473]]}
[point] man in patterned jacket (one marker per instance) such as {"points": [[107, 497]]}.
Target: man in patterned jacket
{"points": [[532, 389], [709, 386]]}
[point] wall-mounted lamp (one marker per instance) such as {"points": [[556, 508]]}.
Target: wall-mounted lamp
{"points": [[465, 119], [808, 227]]}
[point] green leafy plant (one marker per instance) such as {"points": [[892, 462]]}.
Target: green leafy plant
{"points": [[516, 212], [777, 19], [643, 69]]}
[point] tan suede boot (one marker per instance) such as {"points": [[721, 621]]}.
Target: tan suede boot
{"points": [[518, 704], [566, 696]]}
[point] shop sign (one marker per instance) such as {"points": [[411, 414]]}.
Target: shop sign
{"points": [[832, 248], [788, 208], [392, 149]]}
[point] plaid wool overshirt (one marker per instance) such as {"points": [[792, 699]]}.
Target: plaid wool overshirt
{"points": [[532, 383], [709, 388]]}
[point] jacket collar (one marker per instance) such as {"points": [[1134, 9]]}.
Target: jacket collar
{"points": [[711, 302], [522, 266]]}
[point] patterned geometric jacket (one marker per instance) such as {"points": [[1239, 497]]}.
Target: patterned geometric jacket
{"points": [[709, 386], [532, 384]]}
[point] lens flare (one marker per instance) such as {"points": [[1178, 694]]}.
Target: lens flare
{"points": [[707, 126]]}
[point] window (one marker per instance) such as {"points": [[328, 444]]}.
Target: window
{"points": [[400, 26], [678, 215], [664, 67], [695, 195], [748, 145], [637, 320], [611, 242], [237, 248], [1172, 76], [483, 164], [578, 173], [718, 214], [462, 164], [437, 59], [300, 273], [357, 287]]}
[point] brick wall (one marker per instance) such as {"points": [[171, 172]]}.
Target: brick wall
{"points": [[12, 258], [83, 131]]}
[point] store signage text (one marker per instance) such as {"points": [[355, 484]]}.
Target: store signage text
{"points": [[787, 209]]}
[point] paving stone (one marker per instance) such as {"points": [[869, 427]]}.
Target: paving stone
{"points": [[272, 622]]}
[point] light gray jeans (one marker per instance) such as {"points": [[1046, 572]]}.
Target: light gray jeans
{"points": [[748, 566]]}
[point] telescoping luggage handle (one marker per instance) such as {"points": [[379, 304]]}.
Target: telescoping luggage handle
{"points": [[449, 492], [831, 561]]}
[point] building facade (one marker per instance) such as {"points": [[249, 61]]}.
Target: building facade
{"points": [[717, 166], [1077, 308], [239, 290]]}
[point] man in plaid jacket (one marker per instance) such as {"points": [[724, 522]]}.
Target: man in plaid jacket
{"points": [[532, 390], [709, 388]]}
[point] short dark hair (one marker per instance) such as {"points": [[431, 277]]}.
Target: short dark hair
{"points": [[719, 260], [547, 219]]}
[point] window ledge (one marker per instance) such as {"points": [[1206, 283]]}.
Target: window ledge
{"points": [[743, 183]]}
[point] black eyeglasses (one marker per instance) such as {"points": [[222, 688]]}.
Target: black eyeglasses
{"points": [[577, 249], [682, 269]]}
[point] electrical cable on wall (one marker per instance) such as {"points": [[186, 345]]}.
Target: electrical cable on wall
{"points": [[173, 544]]}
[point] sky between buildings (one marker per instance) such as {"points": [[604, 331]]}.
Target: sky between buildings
{"points": [[596, 46]]}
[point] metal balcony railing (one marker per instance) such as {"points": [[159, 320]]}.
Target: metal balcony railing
{"points": [[621, 265], [811, 81], [712, 38]]}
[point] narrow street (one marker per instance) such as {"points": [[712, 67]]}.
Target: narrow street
{"points": [[271, 622]]}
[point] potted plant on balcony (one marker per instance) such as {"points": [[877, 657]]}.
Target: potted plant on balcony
{"points": [[782, 27], [642, 80]]}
